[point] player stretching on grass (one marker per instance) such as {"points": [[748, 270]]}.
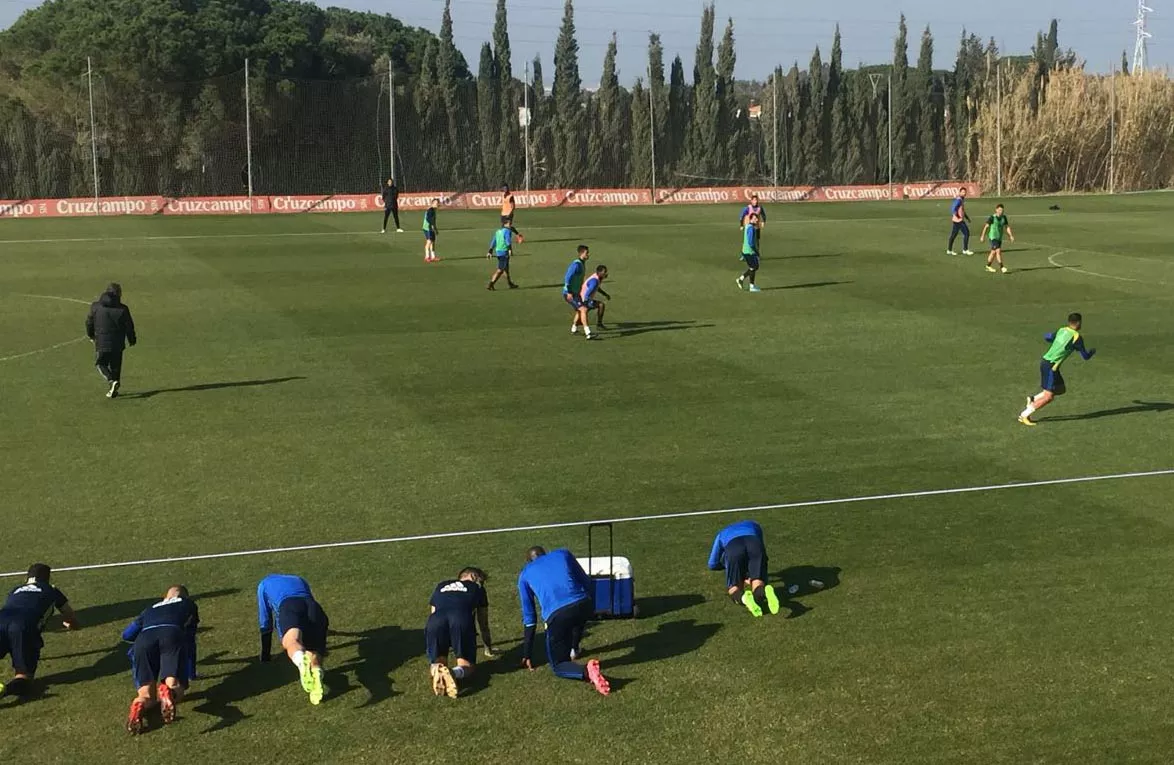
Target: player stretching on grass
{"points": [[459, 608], [959, 220], [588, 303], [750, 253], [502, 246], [562, 589], [997, 224], [739, 548], [573, 283], [164, 638], [430, 232], [1065, 341], [24, 616], [301, 625]]}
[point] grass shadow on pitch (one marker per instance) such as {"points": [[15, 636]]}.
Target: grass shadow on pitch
{"points": [[808, 286], [212, 386], [670, 640], [541, 286], [807, 257], [124, 611], [381, 651], [662, 605], [633, 328], [1139, 407], [805, 580], [1040, 268]]}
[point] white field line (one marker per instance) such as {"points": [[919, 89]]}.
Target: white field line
{"points": [[1077, 269], [54, 297], [185, 237], [627, 519], [41, 350]]}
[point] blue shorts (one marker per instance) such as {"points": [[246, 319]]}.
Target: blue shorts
{"points": [[572, 300], [430, 236], [503, 262], [160, 653], [306, 615], [589, 304], [751, 262], [996, 244], [1050, 379], [450, 630], [745, 559], [21, 639]]}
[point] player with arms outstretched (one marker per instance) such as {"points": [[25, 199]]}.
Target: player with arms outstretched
{"points": [[1065, 341]]}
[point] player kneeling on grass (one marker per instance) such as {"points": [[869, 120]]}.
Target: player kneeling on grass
{"points": [[164, 637], [459, 608], [740, 549], [301, 623], [501, 246], [588, 302], [562, 589], [23, 617], [1065, 341], [750, 253], [996, 225]]}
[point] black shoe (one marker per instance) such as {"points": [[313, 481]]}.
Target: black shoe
{"points": [[601, 325], [113, 392], [513, 286], [491, 287]]}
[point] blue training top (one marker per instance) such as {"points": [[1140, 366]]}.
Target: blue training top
{"points": [[729, 534], [556, 580], [574, 274], [501, 242], [274, 589]]}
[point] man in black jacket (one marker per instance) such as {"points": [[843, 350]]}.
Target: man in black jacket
{"points": [[390, 195], [110, 328]]}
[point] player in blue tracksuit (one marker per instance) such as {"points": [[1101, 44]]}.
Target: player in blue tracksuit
{"points": [[573, 283], [563, 591], [459, 607], [502, 247], [24, 615], [301, 625], [163, 653], [740, 550], [959, 224]]}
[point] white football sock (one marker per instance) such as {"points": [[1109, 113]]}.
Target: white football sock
{"points": [[297, 658]]}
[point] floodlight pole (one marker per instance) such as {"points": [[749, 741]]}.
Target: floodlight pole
{"points": [[526, 127], [93, 134], [890, 134], [774, 163], [999, 126], [652, 130], [391, 114], [248, 137]]}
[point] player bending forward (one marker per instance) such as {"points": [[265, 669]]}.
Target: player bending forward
{"points": [[1065, 341], [301, 626], [587, 303], [164, 638], [460, 608], [739, 549]]}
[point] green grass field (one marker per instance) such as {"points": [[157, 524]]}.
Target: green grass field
{"points": [[302, 380]]}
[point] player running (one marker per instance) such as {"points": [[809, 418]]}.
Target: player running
{"points": [[740, 549], [501, 246], [573, 283], [997, 224], [750, 253], [162, 654], [430, 232], [959, 220], [507, 212], [1065, 341], [592, 286], [301, 625], [562, 589], [23, 617], [459, 608]]}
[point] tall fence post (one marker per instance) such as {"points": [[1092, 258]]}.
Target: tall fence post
{"points": [[774, 162], [526, 127], [391, 115], [248, 137], [890, 135], [1112, 128], [999, 127], [93, 134], [652, 130]]}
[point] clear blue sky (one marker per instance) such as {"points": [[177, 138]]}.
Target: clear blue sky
{"points": [[771, 32]]}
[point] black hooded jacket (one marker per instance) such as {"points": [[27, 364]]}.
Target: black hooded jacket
{"points": [[109, 324]]}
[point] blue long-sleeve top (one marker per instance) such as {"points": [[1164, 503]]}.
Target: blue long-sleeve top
{"points": [[556, 580], [272, 590], [727, 535]]}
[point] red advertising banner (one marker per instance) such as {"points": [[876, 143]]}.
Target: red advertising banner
{"points": [[473, 200]]}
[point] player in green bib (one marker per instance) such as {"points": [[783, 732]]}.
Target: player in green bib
{"points": [[997, 225], [1064, 342]]}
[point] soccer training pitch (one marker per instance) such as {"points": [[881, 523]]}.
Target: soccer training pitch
{"points": [[303, 380]]}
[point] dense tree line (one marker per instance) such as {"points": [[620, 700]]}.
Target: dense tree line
{"points": [[171, 106]]}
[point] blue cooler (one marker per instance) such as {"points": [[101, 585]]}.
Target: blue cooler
{"points": [[615, 594]]}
